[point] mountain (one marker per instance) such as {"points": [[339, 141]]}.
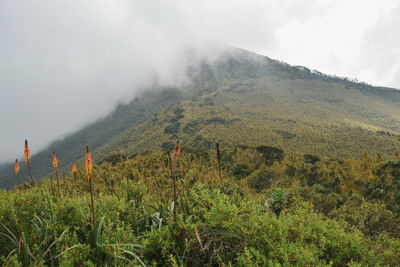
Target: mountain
{"points": [[241, 98]]}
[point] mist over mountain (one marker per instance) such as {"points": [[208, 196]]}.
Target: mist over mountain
{"points": [[59, 56], [65, 64], [239, 97]]}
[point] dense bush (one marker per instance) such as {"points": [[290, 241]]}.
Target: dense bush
{"points": [[266, 219], [262, 179], [271, 154], [240, 171], [308, 158]]}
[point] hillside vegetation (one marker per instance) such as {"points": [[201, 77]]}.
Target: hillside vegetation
{"points": [[242, 98], [271, 208]]}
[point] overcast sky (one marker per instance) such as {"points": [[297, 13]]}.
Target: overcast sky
{"points": [[66, 63]]}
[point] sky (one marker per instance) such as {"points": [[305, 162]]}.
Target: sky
{"points": [[65, 63]]}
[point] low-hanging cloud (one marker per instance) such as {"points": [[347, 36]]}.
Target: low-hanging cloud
{"points": [[379, 57], [64, 63]]}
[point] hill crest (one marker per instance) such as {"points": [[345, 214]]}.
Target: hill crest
{"points": [[242, 98]]}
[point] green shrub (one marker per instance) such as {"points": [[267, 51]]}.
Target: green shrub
{"points": [[240, 171], [262, 179], [271, 154], [278, 201], [217, 224]]}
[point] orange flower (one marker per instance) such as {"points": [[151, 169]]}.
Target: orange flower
{"points": [[16, 167], [177, 151], [88, 164], [27, 152], [73, 168], [54, 160]]}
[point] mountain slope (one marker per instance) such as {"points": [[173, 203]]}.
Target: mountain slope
{"points": [[252, 100], [95, 135], [243, 98]]}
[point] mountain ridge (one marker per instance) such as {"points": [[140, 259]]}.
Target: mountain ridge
{"points": [[242, 98]]}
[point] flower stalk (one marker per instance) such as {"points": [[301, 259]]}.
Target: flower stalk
{"points": [[55, 169], [16, 169], [89, 169], [173, 164], [27, 154], [219, 161], [73, 170]]}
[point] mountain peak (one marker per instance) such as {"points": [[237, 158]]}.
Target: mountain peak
{"points": [[240, 97]]}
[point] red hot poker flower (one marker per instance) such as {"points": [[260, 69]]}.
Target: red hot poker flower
{"points": [[73, 168], [27, 152], [88, 164], [177, 151], [54, 160], [16, 168]]}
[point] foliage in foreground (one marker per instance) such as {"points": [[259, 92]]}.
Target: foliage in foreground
{"points": [[329, 213]]}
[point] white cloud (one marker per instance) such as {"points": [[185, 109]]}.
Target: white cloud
{"points": [[334, 41], [379, 57]]}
